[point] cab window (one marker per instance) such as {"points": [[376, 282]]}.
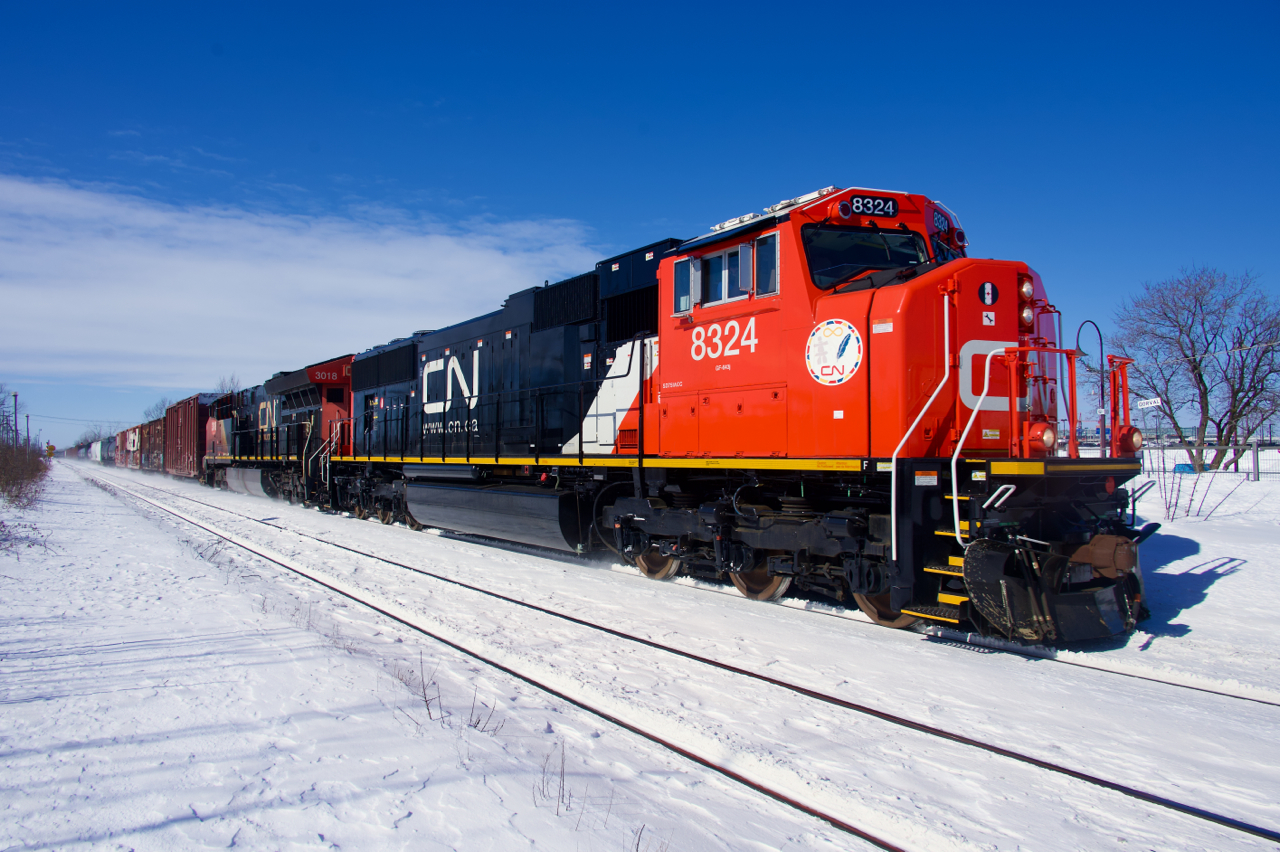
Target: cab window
{"points": [[766, 257], [684, 297]]}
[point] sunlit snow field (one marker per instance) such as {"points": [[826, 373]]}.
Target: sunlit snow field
{"points": [[162, 690]]}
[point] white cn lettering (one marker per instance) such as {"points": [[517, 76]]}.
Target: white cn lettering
{"points": [[455, 371], [431, 367]]}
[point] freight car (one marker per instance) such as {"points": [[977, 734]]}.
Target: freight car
{"points": [[103, 452], [845, 404], [184, 435], [151, 446]]}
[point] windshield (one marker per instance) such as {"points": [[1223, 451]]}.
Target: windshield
{"points": [[838, 254]]}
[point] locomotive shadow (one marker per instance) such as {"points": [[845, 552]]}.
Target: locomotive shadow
{"points": [[1170, 593]]}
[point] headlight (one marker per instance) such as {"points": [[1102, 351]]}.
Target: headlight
{"points": [[1131, 439], [1027, 316], [1042, 436], [1026, 290]]}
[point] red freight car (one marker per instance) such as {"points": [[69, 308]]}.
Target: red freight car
{"points": [[126, 447], [184, 426], [151, 445]]}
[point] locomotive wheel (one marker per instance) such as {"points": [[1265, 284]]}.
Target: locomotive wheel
{"points": [[876, 608], [655, 566], [757, 585], [386, 516], [360, 512], [412, 522]]}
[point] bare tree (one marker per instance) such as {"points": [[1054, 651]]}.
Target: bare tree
{"points": [[94, 433], [157, 409], [227, 384], [1207, 344]]}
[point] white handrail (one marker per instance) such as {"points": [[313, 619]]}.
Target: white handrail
{"points": [[1003, 493], [986, 386], [946, 376]]}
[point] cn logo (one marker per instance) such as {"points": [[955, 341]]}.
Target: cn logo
{"points": [[834, 352], [471, 394], [988, 293]]}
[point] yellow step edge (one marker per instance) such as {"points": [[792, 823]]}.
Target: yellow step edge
{"points": [[935, 569], [1012, 468], [955, 496], [957, 561], [930, 617], [950, 533], [955, 600]]}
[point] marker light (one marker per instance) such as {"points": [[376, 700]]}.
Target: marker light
{"points": [[1026, 290], [1027, 316]]}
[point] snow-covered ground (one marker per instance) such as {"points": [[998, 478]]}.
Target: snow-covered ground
{"points": [[163, 690]]}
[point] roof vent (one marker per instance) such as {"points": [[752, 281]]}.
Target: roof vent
{"points": [[802, 199]]}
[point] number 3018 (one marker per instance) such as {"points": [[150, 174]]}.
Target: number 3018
{"points": [[712, 341]]}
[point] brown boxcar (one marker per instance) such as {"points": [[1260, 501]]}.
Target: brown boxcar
{"points": [[151, 445], [184, 425], [122, 448]]}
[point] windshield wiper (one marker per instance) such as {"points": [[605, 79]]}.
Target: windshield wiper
{"points": [[885, 277]]}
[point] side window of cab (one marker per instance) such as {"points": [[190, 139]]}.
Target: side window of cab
{"points": [[766, 271], [730, 275]]}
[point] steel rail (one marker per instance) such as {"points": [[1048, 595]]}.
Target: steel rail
{"points": [[949, 636], [891, 718], [776, 795]]}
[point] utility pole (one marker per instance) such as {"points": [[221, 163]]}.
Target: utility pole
{"points": [[17, 436], [28, 434]]}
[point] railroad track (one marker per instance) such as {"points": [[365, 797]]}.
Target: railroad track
{"points": [[936, 634], [835, 701]]}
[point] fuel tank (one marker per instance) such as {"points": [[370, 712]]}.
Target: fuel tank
{"points": [[527, 514], [245, 480]]}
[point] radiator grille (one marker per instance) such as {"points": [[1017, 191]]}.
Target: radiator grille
{"points": [[573, 300]]}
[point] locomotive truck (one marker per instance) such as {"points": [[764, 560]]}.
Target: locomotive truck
{"points": [[829, 397]]}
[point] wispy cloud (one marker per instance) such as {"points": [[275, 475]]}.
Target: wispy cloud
{"points": [[175, 163], [215, 156], [103, 287]]}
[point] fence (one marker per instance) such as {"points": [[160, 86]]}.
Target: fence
{"points": [[1254, 462]]}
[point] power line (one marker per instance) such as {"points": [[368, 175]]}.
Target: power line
{"points": [[75, 420]]}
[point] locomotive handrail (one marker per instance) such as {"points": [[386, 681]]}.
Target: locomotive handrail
{"points": [[946, 376], [537, 393], [955, 456], [1003, 493], [1119, 380], [1009, 352]]}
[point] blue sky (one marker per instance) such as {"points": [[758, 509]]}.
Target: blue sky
{"points": [[270, 186]]}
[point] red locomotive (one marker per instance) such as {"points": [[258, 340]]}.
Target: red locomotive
{"points": [[829, 397]]}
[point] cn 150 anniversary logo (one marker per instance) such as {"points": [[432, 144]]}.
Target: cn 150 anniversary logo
{"points": [[834, 352]]}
